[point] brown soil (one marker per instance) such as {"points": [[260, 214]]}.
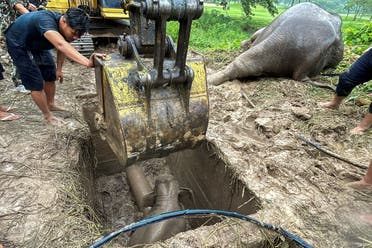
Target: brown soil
{"points": [[44, 170]]}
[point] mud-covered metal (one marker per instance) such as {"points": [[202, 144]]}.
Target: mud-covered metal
{"points": [[139, 126], [153, 97]]}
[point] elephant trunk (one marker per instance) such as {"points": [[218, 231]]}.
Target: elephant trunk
{"points": [[166, 200]]}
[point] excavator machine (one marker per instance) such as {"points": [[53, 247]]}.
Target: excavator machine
{"points": [[152, 100], [106, 17], [153, 94]]}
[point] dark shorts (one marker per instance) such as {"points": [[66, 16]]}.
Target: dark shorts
{"points": [[34, 67]]}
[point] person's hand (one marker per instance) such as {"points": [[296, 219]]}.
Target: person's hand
{"points": [[60, 76], [98, 55], [31, 7]]}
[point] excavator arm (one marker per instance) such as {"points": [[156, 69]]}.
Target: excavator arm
{"points": [[153, 96]]}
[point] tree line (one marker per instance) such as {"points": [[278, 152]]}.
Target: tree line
{"points": [[352, 8]]}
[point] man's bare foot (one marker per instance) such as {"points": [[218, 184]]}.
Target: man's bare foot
{"points": [[6, 108], [366, 218], [55, 107], [5, 116], [329, 105], [357, 130], [334, 103], [52, 120], [364, 124], [360, 185]]}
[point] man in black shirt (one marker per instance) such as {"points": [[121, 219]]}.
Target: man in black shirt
{"points": [[30, 36]]}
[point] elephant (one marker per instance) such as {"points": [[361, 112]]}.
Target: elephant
{"points": [[166, 200], [299, 43]]}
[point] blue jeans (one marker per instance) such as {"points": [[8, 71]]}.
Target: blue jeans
{"points": [[359, 73]]}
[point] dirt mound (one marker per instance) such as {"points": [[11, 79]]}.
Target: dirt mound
{"points": [[256, 125]]}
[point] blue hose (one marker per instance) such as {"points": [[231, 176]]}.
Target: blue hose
{"points": [[169, 215]]}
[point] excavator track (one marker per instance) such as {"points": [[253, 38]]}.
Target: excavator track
{"points": [[84, 45]]}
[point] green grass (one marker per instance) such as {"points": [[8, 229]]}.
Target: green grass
{"points": [[219, 29]]}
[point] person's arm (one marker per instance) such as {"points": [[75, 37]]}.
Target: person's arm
{"points": [[31, 7], [63, 46], [20, 8], [60, 60], [61, 57]]}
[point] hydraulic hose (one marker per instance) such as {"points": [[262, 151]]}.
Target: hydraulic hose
{"points": [[170, 215]]}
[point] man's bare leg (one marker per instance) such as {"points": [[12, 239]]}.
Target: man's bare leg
{"points": [[365, 182], [334, 103], [40, 99], [50, 92], [364, 125]]}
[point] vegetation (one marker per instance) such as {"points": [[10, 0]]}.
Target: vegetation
{"points": [[355, 8], [267, 4], [358, 36], [220, 29]]}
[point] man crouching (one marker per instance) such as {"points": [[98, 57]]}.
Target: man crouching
{"points": [[28, 40]]}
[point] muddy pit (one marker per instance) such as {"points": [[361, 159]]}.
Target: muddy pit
{"points": [[57, 190], [207, 180]]}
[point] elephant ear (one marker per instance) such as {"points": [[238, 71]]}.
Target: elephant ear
{"points": [[257, 34], [246, 44]]}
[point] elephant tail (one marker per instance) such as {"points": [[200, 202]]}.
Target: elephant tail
{"points": [[324, 86], [330, 74]]}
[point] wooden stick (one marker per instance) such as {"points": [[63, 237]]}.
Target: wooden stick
{"points": [[246, 98], [332, 154]]}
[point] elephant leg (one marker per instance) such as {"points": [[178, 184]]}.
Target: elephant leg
{"points": [[311, 66]]}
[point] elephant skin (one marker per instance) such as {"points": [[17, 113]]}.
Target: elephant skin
{"points": [[166, 200], [299, 43]]}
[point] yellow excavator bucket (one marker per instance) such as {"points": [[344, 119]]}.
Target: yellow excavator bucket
{"points": [[139, 126], [153, 96]]}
